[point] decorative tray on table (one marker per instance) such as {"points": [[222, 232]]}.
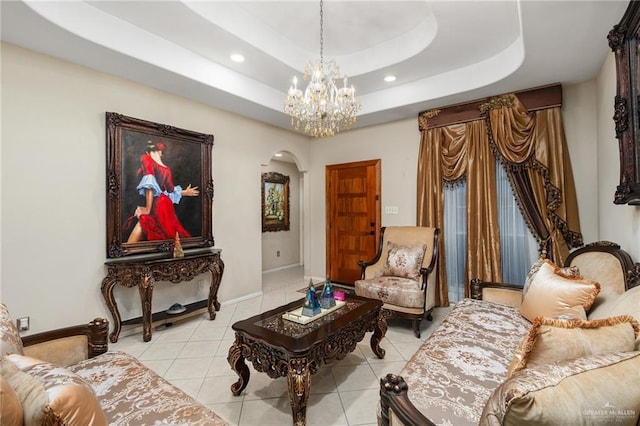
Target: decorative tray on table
{"points": [[296, 314]]}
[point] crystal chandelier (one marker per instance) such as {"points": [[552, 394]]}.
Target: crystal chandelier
{"points": [[323, 109]]}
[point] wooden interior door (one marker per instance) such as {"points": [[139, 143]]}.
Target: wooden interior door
{"points": [[353, 217]]}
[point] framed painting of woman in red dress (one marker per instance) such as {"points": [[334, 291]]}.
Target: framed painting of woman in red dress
{"points": [[159, 187]]}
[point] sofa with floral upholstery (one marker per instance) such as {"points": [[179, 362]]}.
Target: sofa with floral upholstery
{"points": [[561, 349], [68, 377]]}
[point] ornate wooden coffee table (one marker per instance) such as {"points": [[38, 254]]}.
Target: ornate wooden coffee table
{"points": [[283, 348]]}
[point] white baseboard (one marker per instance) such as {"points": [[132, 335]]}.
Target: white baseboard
{"points": [[314, 279], [128, 330], [240, 299], [280, 268]]}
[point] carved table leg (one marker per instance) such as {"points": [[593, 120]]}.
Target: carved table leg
{"points": [[236, 361], [299, 382], [216, 276], [379, 331], [107, 292], [146, 292]]}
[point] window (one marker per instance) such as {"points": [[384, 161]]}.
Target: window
{"points": [[518, 246], [455, 238]]}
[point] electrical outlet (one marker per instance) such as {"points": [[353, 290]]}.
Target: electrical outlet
{"points": [[278, 253], [23, 323], [203, 284]]}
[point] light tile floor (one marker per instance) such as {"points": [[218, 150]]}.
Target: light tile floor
{"points": [[192, 354]]}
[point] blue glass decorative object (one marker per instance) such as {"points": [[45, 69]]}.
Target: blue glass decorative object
{"points": [[327, 300], [311, 304]]}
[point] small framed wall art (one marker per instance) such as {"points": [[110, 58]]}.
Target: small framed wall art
{"points": [[275, 202]]}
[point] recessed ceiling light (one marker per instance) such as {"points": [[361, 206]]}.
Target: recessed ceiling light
{"points": [[236, 57], [390, 78], [278, 154]]}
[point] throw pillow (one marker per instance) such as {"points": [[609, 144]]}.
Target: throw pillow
{"points": [[10, 341], [594, 390], [551, 340], [50, 394], [404, 261], [628, 303], [574, 312], [10, 407], [567, 271], [551, 292]]}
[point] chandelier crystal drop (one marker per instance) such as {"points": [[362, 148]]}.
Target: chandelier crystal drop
{"points": [[322, 109]]}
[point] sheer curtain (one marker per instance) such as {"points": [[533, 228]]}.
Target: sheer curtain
{"points": [[455, 237], [518, 246]]}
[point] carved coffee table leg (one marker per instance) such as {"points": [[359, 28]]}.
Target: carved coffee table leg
{"points": [[236, 361], [146, 293], [299, 382], [107, 292], [379, 331]]}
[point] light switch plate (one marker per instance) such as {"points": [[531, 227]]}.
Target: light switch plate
{"points": [[391, 209]]}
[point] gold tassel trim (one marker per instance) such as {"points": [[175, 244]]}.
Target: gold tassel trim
{"points": [[589, 324], [51, 418]]}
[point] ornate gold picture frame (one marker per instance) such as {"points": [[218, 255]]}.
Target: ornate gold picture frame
{"points": [[159, 185], [275, 202]]}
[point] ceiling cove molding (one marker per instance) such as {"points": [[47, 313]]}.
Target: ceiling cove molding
{"points": [[236, 21], [467, 78], [102, 29]]}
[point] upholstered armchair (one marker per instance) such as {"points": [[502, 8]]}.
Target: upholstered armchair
{"points": [[402, 273]]}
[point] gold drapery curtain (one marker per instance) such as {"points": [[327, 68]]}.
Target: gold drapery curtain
{"points": [[533, 148], [430, 202], [449, 154]]}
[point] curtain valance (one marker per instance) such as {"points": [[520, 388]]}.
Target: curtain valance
{"points": [[532, 99]]}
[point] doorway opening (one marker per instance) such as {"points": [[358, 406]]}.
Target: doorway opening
{"points": [[284, 249]]}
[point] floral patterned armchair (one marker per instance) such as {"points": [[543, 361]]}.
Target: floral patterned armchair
{"points": [[402, 273]]}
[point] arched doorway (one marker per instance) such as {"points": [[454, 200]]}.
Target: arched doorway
{"points": [[286, 249]]}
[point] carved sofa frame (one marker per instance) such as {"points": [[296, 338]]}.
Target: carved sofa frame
{"points": [[127, 390], [41, 345], [395, 405]]}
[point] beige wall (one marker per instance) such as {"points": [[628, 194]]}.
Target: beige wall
{"points": [[396, 144], [53, 177], [580, 125], [53, 188], [285, 242], [619, 223]]}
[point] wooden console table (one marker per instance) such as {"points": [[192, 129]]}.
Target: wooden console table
{"points": [[143, 272]]}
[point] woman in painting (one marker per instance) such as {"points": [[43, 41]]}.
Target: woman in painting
{"points": [[157, 219]]}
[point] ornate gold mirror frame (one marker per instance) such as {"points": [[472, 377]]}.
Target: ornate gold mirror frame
{"points": [[624, 40]]}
